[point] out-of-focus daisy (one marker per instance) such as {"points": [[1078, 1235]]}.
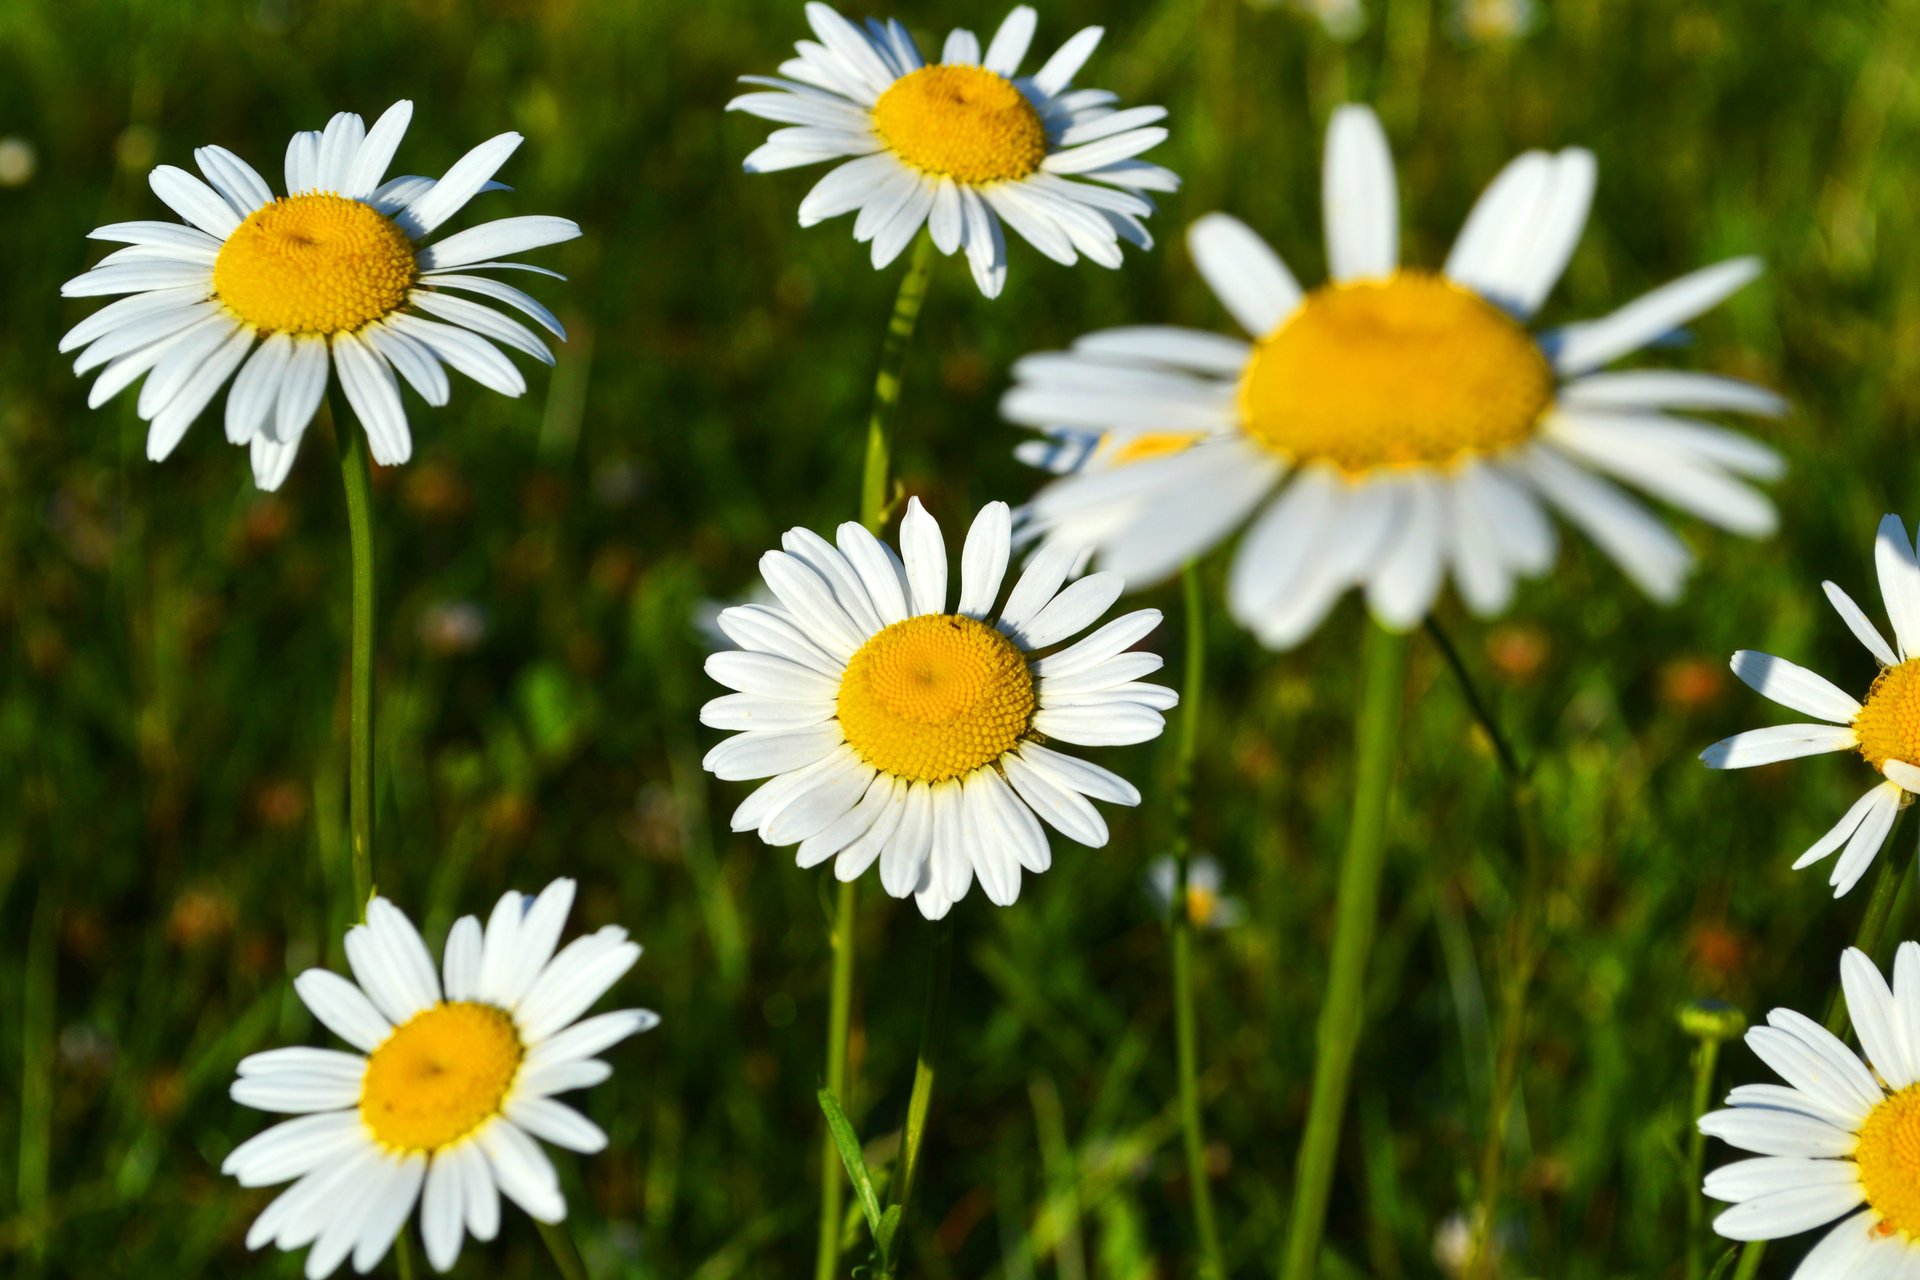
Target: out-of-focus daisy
{"points": [[1398, 424], [962, 145], [1341, 19], [897, 729], [1884, 728], [1838, 1135], [1495, 21], [18, 162], [273, 292], [1206, 906], [451, 1083]]}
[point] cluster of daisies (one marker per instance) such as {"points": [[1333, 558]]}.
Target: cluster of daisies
{"points": [[1389, 431]]}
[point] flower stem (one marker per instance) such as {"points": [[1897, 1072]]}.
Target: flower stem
{"points": [[358, 480], [1338, 1033], [1522, 954], [1180, 932], [925, 1068], [566, 1258], [1873, 928], [874, 504], [1706, 1059]]}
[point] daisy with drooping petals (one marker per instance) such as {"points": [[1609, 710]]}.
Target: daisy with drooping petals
{"points": [[451, 1084], [961, 145], [274, 292], [1396, 425], [899, 730], [1884, 728], [1842, 1133]]}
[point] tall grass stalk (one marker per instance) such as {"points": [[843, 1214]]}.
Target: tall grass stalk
{"points": [[1338, 1034], [925, 1071], [875, 504], [354, 473], [1180, 931]]}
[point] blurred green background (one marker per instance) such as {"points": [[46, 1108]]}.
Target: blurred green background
{"points": [[172, 726]]}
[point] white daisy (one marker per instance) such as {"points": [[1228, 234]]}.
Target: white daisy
{"points": [[1884, 728], [899, 730], [1397, 424], [1839, 1135], [449, 1088], [1206, 906], [961, 145], [272, 291]]}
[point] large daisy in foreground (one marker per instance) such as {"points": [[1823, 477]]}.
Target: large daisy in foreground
{"points": [[1839, 1135], [1884, 728], [450, 1083], [1397, 424], [961, 145], [271, 292], [899, 730]]}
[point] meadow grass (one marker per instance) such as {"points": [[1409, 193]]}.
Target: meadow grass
{"points": [[173, 724]]}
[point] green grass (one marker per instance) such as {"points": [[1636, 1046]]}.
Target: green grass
{"points": [[172, 721]]}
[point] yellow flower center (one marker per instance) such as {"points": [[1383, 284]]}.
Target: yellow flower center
{"points": [[1889, 1160], [440, 1076], [1201, 904], [964, 123], [1152, 444], [935, 697], [314, 264], [1409, 371], [1889, 719]]}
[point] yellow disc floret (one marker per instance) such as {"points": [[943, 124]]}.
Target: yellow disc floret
{"points": [[1409, 371], [964, 123], [314, 264], [935, 697], [1889, 719], [1149, 445], [439, 1076], [1889, 1160]]}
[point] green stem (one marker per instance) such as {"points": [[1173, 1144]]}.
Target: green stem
{"points": [[925, 1069], [1706, 1058], [1180, 928], [566, 1258], [1521, 958], [1873, 928], [1341, 1010], [874, 485], [358, 480]]}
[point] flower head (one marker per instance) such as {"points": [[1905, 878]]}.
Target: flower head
{"points": [[1397, 425], [1883, 726], [901, 730], [962, 145], [276, 294], [1206, 906], [1840, 1134], [451, 1082]]}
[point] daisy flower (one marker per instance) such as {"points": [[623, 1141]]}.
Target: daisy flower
{"points": [[273, 292], [961, 145], [449, 1087], [1841, 1134], [1206, 906], [1884, 727], [1396, 425], [896, 729]]}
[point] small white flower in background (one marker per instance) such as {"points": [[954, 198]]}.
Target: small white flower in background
{"points": [[278, 294], [1340, 19], [899, 730], [1206, 907], [453, 626], [962, 145], [449, 1088], [1398, 425], [1884, 728], [1495, 21], [18, 161], [1841, 1135]]}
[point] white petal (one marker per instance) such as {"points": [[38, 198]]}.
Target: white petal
{"points": [[983, 560], [1592, 344], [1244, 273], [1058, 71], [194, 200], [1899, 583], [1863, 630], [1870, 1005], [457, 186], [497, 239], [925, 556], [1788, 1213], [371, 160], [375, 396], [1775, 743], [1794, 687], [1361, 202], [1010, 42]]}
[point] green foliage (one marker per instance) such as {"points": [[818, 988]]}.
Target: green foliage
{"points": [[172, 719]]}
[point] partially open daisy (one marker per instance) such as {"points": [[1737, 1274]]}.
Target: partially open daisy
{"points": [[1207, 905], [897, 729], [451, 1084], [271, 291], [1884, 727], [1839, 1135], [1396, 424], [960, 145]]}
